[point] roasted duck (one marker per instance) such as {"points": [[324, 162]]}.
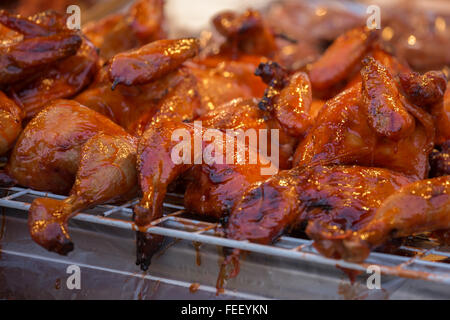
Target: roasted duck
{"points": [[352, 144]]}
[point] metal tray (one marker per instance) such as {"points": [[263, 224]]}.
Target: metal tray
{"points": [[188, 265]]}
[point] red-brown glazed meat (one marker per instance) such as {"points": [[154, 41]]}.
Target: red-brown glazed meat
{"points": [[287, 98], [336, 198], [151, 61], [245, 33], [70, 147], [62, 80], [157, 168], [381, 99], [360, 158], [417, 207], [51, 61], [339, 60], [424, 90], [10, 123], [220, 183], [106, 173], [45, 41], [130, 107], [47, 152], [213, 189], [440, 160], [99, 153], [342, 133], [23, 59], [42, 24], [215, 81], [143, 23]]}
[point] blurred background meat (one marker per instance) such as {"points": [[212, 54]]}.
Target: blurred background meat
{"points": [[418, 30]]}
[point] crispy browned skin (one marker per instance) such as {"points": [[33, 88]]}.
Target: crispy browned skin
{"points": [[288, 98], [106, 173], [239, 114], [343, 196], [342, 133], [215, 81], [70, 147], [42, 45], [47, 152], [55, 62], [86, 150], [220, 184], [339, 60], [381, 98], [245, 33], [143, 23], [424, 90], [62, 80], [417, 207], [441, 115], [151, 61], [213, 189], [41, 24], [338, 198], [157, 171], [440, 160], [10, 123], [130, 107], [221, 79]]}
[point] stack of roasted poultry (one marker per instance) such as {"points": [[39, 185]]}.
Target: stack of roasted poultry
{"points": [[364, 140]]}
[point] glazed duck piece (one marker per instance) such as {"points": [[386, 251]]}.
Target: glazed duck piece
{"points": [[249, 33], [213, 189], [245, 33], [93, 148], [220, 184], [106, 173], [143, 23], [359, 127], [288, 97], [60, 74], [69, 147], [418, 207], [45, 41], [337, 198], [341, 59], [386, 114], [151, 61], [63, 80], [10, 123], [215, 82], [430, 92], [47, 152], [87, 154], [157, 170], [157, 67], [440, 160], [129, 107]]}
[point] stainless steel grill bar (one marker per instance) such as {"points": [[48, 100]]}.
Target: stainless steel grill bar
{"points": [[174, 226]]}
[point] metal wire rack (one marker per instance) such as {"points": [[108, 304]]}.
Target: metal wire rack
{"points": [[425, 262]]}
